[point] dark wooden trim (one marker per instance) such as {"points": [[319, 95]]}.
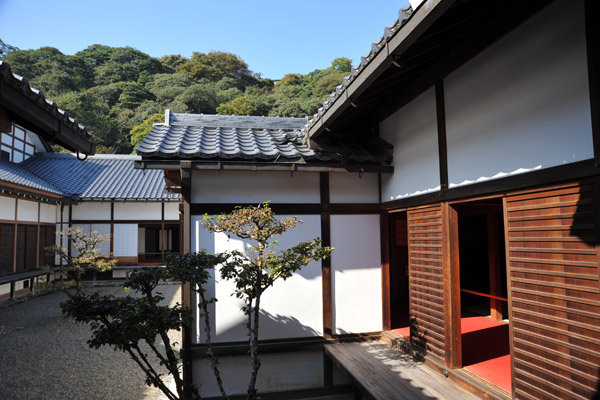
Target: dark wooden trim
{"points": [[326, 273], [441, 133], [592, 31], [384, 224], [15, 232], [297, 394], [324, 187], [156, 222], [494, 267], [35, 193], [37, 239], [452, 313], [186, 290], [112, 228], [291, 208], [542, 177], [264, 346], [162, 231]]}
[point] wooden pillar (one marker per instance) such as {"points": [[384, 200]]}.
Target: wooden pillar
{"points": [[14, 243], [441, 129], [452, 313], [186, 290], [162, 231], [494, 265], [326, 263], [385, 271], [37, 238], [112, 228]]}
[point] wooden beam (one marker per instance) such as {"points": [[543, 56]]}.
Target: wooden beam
{"points": [[441, 131], [452, 309], [592, 30], [291, 208], [186, 290]]}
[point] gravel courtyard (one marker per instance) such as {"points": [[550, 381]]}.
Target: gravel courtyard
{"points": [[45, 356]]}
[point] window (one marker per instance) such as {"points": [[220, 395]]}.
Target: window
{"points": [[16, 146]]}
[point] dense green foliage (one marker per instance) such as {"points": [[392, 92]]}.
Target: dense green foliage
{"points": [[114, 90]]}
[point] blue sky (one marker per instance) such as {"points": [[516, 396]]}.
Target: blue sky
{"points": [[273, 37]]}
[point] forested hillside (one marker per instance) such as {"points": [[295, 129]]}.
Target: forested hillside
{"points": [[116, 92]]}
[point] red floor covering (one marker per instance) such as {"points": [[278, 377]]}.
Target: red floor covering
{"points": [[486, 350]]}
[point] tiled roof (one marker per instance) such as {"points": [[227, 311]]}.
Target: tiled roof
{"points": [[388, 32], [229, 137], [37, 96], [17, 174], [98, 177]]}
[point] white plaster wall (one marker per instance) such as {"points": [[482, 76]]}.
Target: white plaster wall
{"points": [[255, 187], [172, 211], [291, 308], [523, 103], [7, 208], [91, 211], [132, 211], [65, 214], [103, 229], [141, 240], [278, 372], [351, 188], [356, 267], [125, 240], [48, 213], [27, 210], [412, 131]]}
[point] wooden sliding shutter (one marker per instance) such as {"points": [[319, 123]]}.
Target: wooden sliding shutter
{"points": [[426, 280], [554, 292]]}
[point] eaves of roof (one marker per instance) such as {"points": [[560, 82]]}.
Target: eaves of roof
{"points": [[30, 108], [396, 39]]}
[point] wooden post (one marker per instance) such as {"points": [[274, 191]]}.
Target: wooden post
{"points": [[385, 271], [494, 266], [326, 263], [453, 336]]}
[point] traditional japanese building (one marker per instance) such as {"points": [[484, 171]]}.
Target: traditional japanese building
{"points": [[455, 171]]}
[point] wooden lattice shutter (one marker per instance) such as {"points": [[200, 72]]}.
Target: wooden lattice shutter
{"points": [[6, 248], [426, 280], [554, 292]]}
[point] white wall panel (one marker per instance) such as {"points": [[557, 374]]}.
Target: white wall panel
{"points": [[255, 187], [48, 213], [291, 308], [278, 372], [356, 267], [91, 211], [125, 240], [27, 210], [523, 103], [172, 211], [7, 208], [351, 188], [104, 230], [412, 131], [138, 211], [141, 240]]}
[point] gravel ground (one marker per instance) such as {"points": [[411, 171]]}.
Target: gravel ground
{"points": [[45, 356]]}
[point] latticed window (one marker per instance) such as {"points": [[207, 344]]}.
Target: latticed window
{"points": [[16, 145]]}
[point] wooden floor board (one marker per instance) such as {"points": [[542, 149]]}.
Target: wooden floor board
{"points": [[386, 373]]}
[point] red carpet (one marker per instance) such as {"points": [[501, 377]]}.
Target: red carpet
{"points": [[486, 351], [405, 331]]}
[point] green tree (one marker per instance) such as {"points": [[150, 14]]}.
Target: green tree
{"points": [[86, 255], [238, 106], [6, 48], [261, 265], [217, 65], [139, 132]]}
